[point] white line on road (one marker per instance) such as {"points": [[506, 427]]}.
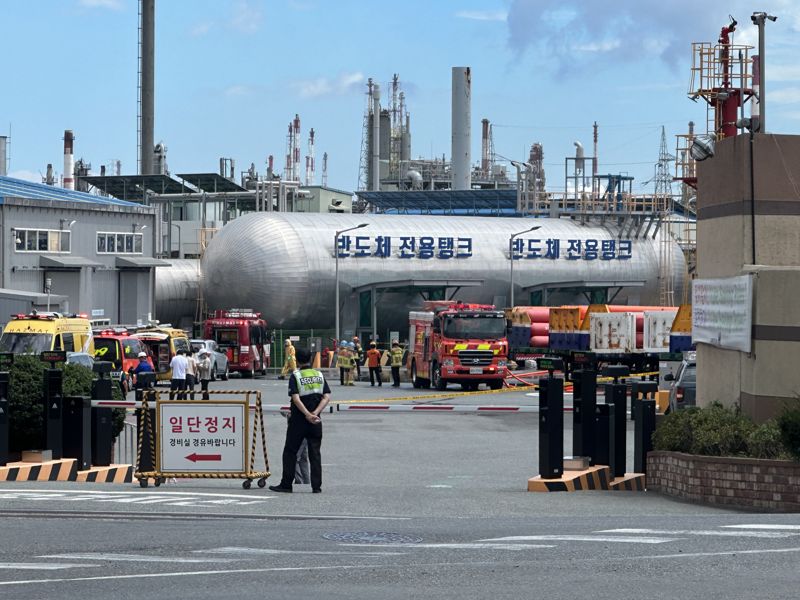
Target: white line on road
{"points": [[765, 526], [265, 551], [465, 546], [129, 493], [229, 572], [702, 554], [706, 532], [44, 566], [582, 538], [133, 558]]}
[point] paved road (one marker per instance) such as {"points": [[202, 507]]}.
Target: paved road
{"points": [[413, 505]]}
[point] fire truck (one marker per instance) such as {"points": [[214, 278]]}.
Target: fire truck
{"points": [[242, 335], [452, 342]]}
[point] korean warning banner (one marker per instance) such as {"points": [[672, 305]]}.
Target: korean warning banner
{"points": [[722, 312]]}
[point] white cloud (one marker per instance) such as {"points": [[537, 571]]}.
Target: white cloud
{"points": [[112, 4], [237, 91], [323, 86], [200, 29], [776, 72], [605, 46], [26, 175], [789, 95], [483, 15], [247, 16]]}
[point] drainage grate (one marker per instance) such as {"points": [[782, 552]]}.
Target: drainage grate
{"points": [[371, 537]]}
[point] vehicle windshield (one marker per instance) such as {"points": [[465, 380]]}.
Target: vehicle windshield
{"points": [[226, 337], [689, 375], [26, 343], [474, 326], [197, 346], [106, 349], [130, 348]]}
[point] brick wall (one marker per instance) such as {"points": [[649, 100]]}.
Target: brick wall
{"points": [[749, 483]]}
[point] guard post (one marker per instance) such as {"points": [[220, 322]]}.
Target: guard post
{"points": [[616, 394], [641, 390], [604, 448], [52, 399], [102, 440], [76, 433], [6, 360], [643, 430], [584, 401], [145, 421], [551, 419]]}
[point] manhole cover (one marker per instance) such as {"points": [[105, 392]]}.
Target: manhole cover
{"points": [[371, 537]]}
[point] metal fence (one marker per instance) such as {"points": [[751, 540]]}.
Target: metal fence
{"points": [[125, 446]]}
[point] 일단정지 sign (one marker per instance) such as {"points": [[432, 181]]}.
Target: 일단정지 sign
{"points": [[202, 436]]}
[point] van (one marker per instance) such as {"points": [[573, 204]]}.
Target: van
{"points": [[122, 351], [38, 332], [163, 344]]}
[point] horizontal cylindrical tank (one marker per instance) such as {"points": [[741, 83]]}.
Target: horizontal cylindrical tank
{"points": [[283, 264], [177, 287]]}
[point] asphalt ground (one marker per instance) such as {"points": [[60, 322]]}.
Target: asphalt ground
{"points": [[414, 505]]}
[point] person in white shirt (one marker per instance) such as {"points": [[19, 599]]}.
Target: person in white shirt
{"points": [[178, 364], [191, 372]]}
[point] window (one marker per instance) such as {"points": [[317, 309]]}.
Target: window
{"points": [[69, 341], [42, 240], [119, 243]]}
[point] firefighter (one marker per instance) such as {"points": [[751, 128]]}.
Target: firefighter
{"points": [[289, 362], [350, 361], [397, 362], [343, 360], [358, 355]]}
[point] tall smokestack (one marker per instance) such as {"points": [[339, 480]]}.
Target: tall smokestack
{"points": [[3, 155], [69, 142], [147, 68], [376, 136], [485, 147], [324, 169], [461, 116]]}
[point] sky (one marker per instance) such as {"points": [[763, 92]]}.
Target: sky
{"points": [[231, 74]]}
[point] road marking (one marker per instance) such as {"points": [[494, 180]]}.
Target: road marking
{"points": [[702, 554], [229, 572], [48, 566], [439, 486], [266, 551], [582, 538], [110, 557], [706, 532], [135, 497], [124, 493], [765, 526], [465, 546]]}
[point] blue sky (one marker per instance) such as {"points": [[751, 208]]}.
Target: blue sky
{"points": [[230, 75]]}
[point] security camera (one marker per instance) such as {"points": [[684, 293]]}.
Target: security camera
{"points": [[702, 147], [743, 123]]}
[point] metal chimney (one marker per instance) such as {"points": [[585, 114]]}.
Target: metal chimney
{"points": [[376, 136], [485, 148], [147, 74], [69, 166], [461, 135], [3, 155]]}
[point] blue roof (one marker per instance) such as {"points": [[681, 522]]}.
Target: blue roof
{"points": [[18, 188]]}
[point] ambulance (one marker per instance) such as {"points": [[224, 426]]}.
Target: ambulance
{"points": [[38, 332]]}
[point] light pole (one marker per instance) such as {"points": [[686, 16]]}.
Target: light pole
{"points": [[511, 257], [336, 257], [759, 19]]}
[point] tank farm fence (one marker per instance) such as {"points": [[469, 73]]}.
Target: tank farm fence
{"points": [[313, 340]]}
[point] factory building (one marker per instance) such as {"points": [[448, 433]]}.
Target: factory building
{"points": [[76, 253]]}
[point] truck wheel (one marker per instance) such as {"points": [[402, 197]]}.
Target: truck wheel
{"points": [[414, 378], [496, 384], [436, 378]]}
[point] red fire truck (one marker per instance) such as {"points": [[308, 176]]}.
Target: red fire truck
{"points": [[242, 335], [452, 342]]}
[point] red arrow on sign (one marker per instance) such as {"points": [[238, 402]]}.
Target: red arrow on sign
{"points": [[195, 457]]}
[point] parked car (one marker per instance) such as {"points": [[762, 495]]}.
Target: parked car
{"points": [[80, 358], [219, 360], [683, 388]]}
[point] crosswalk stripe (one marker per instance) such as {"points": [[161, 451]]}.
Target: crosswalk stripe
{"points": [[466, 546], [705, 532], [764, 526], [134, 558], [48, 566], [269, 551]]}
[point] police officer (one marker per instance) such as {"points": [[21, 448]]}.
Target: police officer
{"points": [[310, 395]]}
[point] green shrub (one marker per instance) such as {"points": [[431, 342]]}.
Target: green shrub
{"points": [[720, 431], [789, 425], [765, 441], [25, 403], [674, 434]]}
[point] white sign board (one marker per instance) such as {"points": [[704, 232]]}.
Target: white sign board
{"points": [[722, 312], [199, 436]]}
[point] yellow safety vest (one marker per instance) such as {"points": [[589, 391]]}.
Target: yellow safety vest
{"points": [[397, 357], [345, 361]]}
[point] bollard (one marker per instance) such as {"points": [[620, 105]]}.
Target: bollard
{"points": [[616, 393], [102, 440], [551, 421], [77, 434], [4, 417], [584, 394], [51, 416], [647, 389], [643, 434], [604, 427]]}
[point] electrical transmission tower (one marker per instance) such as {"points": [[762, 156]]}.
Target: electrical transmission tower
{"points": [[663, 200]]}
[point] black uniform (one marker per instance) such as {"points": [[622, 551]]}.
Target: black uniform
{"points": [[299, 427]]}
